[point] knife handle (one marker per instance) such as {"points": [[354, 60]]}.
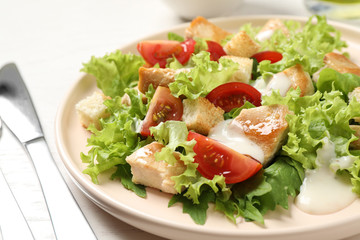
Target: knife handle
{"points": [[67, 219]]}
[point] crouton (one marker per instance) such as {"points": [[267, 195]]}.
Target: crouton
{"points": [[291, 78], [202, 28], [266, 126], [355, 144], [355, 94], [270, 27], [341, 63], [241, 45], [156, 77], [149, 172], [91, 109], [201, 115], [245, 69]]}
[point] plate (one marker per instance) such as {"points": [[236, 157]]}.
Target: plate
{"points": [[153, 215]]}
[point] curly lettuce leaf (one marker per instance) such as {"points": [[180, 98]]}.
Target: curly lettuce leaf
{"points": [[316, 117], [114, 72], [331, 80], [203, 77], [303, 48], [118, 137]]}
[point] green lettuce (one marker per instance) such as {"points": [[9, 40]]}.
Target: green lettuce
{"points": [[306, 47], [115, 72], [204, 76], [117, 139], [330, 80], [316, 117]]}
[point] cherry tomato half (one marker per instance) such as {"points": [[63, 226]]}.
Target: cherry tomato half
{"points": [[164, 106], [158, 51], [216, 50], [215, 158], [233, 95], [273, 56]]}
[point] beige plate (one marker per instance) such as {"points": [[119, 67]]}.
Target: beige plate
{"points": [[153, 215]]}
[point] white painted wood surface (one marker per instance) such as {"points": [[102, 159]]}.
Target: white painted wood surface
{"points": [[49, 40]]}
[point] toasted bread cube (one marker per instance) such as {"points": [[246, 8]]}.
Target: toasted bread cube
{"points": [[201, 115], [270, 27], [266, 126], [341, 63], [202, 28], [149, 172], [245, 69], [355, 94], [156, 77], [241, 45], [91, 109]]}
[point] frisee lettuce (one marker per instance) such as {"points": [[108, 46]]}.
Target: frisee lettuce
{"points": [[114, 72], [306, 47], [204, 76]]}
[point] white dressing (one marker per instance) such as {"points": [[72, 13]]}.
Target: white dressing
{"points": [[231, 135], [264, 35], [323, 191], [278, 81]]}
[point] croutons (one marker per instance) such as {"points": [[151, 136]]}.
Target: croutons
{"points": [[341, 63], [241, 45], [201, 115], [149, 172], [266, 126], [91, 109], [156, 77], [268, 29], [202, 28], [245, 69]]}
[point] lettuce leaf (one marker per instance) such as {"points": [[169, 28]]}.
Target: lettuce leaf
{"points": [[114, 72], [116, 140], [302, 47], [204, 76], [330, 80], [316, 117]]}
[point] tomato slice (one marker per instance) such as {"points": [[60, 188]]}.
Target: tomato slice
{"points": [[158, 51], [215, 158], [273, 56], [216, 50], [164, 106], [233, 95]]}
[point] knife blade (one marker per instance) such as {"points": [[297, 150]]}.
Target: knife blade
{"points": [[19, 115]]}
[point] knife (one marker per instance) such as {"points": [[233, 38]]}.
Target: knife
{"points": [[19, 115]]}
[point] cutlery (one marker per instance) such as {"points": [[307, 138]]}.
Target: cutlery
{"points": [[19, 115], [13, 224]]}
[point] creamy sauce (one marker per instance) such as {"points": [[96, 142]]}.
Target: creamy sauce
{"points": [[264, 35], [278, 82], [231, 135], [323, 191]]}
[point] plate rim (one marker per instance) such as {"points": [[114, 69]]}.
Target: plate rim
{"points": [[107, 203]]}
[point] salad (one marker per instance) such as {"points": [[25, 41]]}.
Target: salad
{"points": [[240, 120]]}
